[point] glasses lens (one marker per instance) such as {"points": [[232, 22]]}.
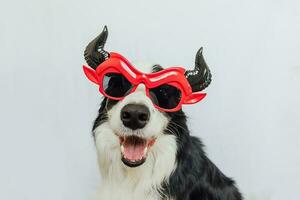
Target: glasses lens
{"points": [[116, 85], [165, 96]]}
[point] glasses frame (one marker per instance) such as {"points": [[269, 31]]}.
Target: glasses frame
{"points": [[173, 76]]}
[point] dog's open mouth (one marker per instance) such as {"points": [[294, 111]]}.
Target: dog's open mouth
{"points": [[134, 149]]}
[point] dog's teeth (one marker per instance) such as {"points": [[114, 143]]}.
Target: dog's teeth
{"points": [[145, 150], [122, 148]]}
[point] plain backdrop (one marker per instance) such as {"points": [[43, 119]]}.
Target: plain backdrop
{"points": [[249, 122]]}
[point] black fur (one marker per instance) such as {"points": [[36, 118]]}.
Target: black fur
{"points": [[196, 177]]}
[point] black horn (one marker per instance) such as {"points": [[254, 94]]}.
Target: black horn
{"points": [[200, 77], [94, 53]]}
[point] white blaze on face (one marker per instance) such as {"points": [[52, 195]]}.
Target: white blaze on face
{"points": [[157, 121]]}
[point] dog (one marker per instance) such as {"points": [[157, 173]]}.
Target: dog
{"points": [[146, 153]]}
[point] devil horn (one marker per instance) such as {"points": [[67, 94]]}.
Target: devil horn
{"points": [[200, 77], [94, 53]]}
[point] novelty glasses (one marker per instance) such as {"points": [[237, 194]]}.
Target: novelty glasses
{"points": [[168, 89]]}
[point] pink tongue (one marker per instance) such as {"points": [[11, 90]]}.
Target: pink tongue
{"points": [[134, 151]]}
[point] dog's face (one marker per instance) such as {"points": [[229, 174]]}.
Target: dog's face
{"points": [[132, 131], [133, 123], [137, 124]]}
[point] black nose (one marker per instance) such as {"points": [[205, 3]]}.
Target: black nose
{"points": [[135, 116]]}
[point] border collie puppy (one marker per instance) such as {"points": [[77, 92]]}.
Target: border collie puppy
{"points": [[145, 153]]}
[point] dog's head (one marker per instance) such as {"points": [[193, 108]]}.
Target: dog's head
{"points": [[134, 127], [136, 123]]}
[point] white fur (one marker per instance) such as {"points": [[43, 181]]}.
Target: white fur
{"points": [[157, 122], [120, 182]]}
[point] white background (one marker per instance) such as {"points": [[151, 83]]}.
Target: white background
{"points": [[249, 121]]}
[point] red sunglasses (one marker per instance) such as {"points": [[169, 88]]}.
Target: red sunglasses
{"points": [[168, 89]]}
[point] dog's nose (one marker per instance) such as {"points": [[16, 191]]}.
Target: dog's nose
{"points": [[135, 116]]}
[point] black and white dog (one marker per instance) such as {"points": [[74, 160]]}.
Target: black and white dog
{"points": [[173, 165]]}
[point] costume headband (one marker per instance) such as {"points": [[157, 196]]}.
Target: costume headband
{"points": [[95, 55]]}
